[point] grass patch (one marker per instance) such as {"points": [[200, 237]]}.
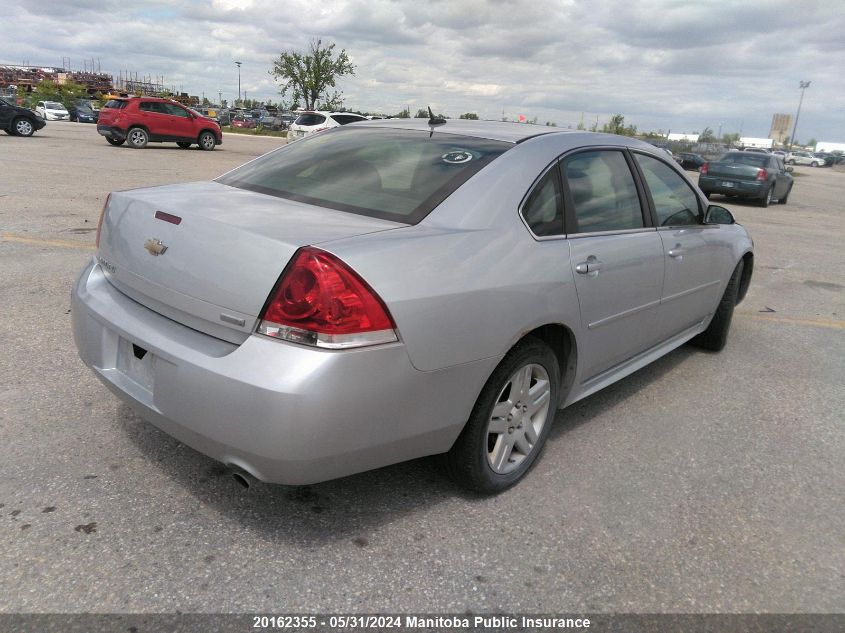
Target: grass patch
{"points": [[255, 131]]}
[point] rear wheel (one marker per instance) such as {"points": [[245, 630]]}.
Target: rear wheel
{"points": [[207, 141], [814, 164], [137, 138], [716, 334], [23, 127], [510, 420], [766, 200], [115, 141], [183, 145]]}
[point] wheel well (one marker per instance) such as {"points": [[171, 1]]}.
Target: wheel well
{"points": [[561, 340], [138, 125], [206, 129], [745, 281]]}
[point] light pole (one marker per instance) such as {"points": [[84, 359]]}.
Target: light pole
{"points": [[803, 85], [238, 64]]}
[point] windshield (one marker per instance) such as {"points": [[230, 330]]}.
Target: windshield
{"points": [[53, 105], [392, 174]]}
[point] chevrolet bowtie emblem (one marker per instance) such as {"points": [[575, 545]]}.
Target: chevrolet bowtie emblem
{"points": [[154, 246]]}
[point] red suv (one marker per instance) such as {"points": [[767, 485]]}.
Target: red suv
{"points": [[141, 120]]}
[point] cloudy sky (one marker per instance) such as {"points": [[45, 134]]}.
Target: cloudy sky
{"points": [[663, 64]]}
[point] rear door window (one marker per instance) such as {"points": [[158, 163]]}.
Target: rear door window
{"points": [[602, 192], [117, 104], [543, 210]]}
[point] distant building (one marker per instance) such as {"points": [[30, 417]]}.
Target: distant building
{"points": [[828, 146], [692, 138], [762, 143], [781, 126]]}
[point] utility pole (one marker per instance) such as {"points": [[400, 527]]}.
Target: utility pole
{"points": [[803, 85], [238, 64]]}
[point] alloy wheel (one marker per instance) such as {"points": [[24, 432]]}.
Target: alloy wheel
{"points": [[23, 127], [521, 411]]}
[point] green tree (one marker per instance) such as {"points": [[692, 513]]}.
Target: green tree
{"points": [[616, 125], [68, 92], [469, 115], [405, 114], [729, 138], [812, 143], [422, 113], [309, 76], [707, 136]]}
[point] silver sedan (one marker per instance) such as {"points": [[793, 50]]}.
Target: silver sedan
{"points": [[402, 288]]}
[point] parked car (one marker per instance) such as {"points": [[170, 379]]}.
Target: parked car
{"points": [[390, 289], [82, 113], [690, 161], [243, 121], [52, 111], [18, 121], [763, 177], [141, 120], [311, 121], [804, 158], [271, 121], [828, 159]]}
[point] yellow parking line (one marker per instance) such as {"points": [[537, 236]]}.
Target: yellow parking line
{"points": [[40, 241], [828, 323]]}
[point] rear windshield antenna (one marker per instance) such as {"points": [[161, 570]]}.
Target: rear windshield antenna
{"points": [[433, 120]]}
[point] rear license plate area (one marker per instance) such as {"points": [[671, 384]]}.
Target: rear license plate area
{"points": [[728, 184], [136, 363]]}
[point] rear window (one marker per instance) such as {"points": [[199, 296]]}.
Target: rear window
{"points": [[398, 175], [745, 158], [345, 119], [310, 119], [117, 104]]}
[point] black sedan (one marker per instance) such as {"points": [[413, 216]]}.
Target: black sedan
{"points": [[690, 161], [82, 113], [18, 121]]}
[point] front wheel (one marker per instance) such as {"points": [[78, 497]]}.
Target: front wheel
{"points": [[114, 141], [814, 164], [137, 138], [23, 127], [207, 141], [510, 420], [716, 334]]}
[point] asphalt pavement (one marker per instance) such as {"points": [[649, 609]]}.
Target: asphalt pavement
{"points": [[702, 483]]}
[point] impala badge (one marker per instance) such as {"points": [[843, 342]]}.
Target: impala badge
{"points": [[155, 247]]}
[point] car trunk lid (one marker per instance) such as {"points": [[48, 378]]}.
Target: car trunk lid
{"points": [[208, 255]]}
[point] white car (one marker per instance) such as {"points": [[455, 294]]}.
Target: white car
{"points": [[804, 158], [52, 111], [311, 121]]}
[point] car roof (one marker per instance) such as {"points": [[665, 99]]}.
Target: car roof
{"points": [[493, 130]]}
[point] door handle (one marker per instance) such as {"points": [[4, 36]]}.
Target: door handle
{"points": [[590, 267], [676, 253]]}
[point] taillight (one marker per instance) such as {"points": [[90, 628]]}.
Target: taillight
{"points": [[321, 301], [762, 174], [704, 169], [100, 221]]}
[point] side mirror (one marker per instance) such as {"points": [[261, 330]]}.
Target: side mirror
{"points": [[789, 169], [718, 215]]}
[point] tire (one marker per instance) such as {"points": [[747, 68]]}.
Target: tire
{"points": [[500, 442], [114, 141], [766, 200], [183, 144], [206, 141], [23, 127], [785, 196], [814, 164], [716, 334], [790, 162], [137, 138]]}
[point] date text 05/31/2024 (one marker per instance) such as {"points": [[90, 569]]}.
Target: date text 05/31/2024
{"points": [[415, 622]]}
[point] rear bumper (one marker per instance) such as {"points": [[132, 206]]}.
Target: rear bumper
{"points": [[744, 188], [283, 412], [112, 132]]}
